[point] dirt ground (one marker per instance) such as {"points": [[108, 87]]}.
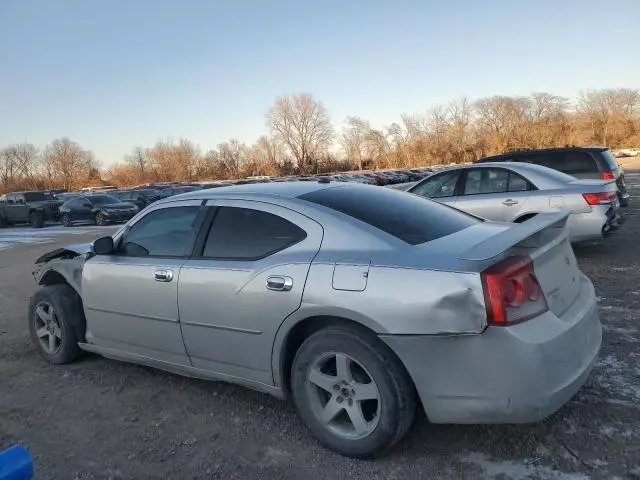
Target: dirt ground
{"points": [[102, 419]]}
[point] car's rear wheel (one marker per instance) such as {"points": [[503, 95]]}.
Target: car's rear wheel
{"points": [[36, 219], [3, 222], [100, 220], [66, 220], [352, 391], [54, 312]]}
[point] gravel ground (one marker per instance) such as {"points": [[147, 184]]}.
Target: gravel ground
{"points": [[102, 419]]}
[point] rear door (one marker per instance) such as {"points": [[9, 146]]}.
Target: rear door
{"points": [[247, 275], [17, 208], [493, 193]]}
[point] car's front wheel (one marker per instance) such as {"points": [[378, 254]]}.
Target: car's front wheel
{"points": [[352, 391], [66, 220], [100, 220], [55, 311], [36, 219]]}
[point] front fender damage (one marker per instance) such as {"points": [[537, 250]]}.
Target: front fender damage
{"points": [[66, 263]]}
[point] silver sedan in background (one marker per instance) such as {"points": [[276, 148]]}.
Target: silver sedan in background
{"points": [[515, 192], [356, 302]]}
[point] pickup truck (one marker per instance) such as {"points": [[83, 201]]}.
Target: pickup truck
{"points": [[28, 207]]}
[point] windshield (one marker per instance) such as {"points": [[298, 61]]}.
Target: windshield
{"points": [[410, 218], [103, 199], [36, 197]]}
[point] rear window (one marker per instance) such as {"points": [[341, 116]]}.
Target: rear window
{"points": [[410, 218], [610, 160]]}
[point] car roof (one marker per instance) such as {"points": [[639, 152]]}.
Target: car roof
{"points": [[283, 189], [537, 151]]}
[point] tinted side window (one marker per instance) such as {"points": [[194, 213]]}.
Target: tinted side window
{"points": [[246, 234], [486, 180], [438, 186], [11, 199], [555, 161], [168, 232], [517, 183], [410, 218]]}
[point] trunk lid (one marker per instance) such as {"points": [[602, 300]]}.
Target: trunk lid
{"points": [[545, 239]]}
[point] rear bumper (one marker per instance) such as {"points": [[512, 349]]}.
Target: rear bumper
{"points": [[516, 374], [600, 222]]}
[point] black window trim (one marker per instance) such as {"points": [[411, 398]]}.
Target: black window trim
{"points": [[205, 230], [200, 217], [530, 186]]}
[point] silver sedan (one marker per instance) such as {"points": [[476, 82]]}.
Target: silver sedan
{"points": [[356, 302], [515, 192]]}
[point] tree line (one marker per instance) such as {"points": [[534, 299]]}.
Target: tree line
{"points": [[302, 140]]}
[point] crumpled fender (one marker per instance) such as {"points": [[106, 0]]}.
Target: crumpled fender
{"points": [[66, 262]]}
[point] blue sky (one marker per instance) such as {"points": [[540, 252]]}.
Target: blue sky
{"points": [[113, 74]]}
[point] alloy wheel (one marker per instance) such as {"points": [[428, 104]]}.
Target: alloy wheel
{"points": [[344, 397], [48, 328]]}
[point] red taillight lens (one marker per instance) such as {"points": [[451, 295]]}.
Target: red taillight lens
{"points": [[599, 198], [512, 292], [607, 175]]}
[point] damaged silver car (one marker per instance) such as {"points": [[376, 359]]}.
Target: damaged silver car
{"points": [[355, 302]]}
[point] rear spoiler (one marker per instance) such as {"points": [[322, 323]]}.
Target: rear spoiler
{"points": [[506, 239]]}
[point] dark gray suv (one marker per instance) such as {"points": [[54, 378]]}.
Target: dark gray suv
{"points": [[580, 162]]}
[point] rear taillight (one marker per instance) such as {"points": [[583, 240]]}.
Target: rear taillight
{"points": [[599, 198], [607, 175], [512, 293]]}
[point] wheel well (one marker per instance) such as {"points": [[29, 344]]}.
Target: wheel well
{"points": [[53, 278], [524, 217]]}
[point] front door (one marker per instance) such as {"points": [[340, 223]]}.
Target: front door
{"points": [[131, 297], [17, 209], [441, 187], [247, 275]]}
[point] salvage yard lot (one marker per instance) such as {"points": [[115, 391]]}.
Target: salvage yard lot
{"points": [[100, 419]]}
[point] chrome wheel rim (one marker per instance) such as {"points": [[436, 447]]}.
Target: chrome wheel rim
{"points": [[48, 328], [343, 396], [66, 220], [99, 219]]}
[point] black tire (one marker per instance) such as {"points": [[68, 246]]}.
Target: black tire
{"points": [[396, 393], [36, 219], [100, 220], [69, 318], [3, 222], [66, 220]]}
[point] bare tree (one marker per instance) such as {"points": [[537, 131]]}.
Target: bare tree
{"points": [[232, 155], [139, 161], [354, 139], [302, 124], [68, 163]]}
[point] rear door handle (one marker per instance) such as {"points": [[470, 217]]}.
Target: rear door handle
{"points": [[508, 202], [163, 275], [280, 283]]}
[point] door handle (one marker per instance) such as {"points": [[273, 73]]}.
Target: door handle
{"points": [[278, 283], [508, 202], [163, 275]]}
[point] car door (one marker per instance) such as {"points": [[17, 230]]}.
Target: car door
{"points": [[131, 296], [493, 193], [82, 209], [10, 207], [441, 187], [247, 275]]}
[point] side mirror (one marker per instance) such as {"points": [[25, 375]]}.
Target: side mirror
{"points": [[103, 246]]}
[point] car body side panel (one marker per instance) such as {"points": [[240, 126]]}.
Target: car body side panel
{"points": [[404, 301]]}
